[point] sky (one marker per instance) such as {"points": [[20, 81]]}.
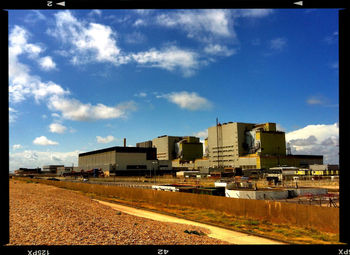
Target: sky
{"points": [[81, 80]]}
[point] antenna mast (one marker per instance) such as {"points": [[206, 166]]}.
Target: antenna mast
{"points": [[217, 140]]}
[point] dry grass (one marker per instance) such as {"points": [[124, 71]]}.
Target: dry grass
{"points": [[283, 232], [210, 182]]}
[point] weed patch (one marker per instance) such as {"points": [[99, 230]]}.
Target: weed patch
{"points": [[194, 232]]}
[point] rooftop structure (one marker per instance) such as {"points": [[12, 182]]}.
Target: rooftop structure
{"points": [[177, 147]]}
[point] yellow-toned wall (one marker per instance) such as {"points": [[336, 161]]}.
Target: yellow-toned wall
{"points": [[272, 161], [192, 151], [272, 143], [270, 126]]}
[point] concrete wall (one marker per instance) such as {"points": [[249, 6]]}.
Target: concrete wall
{"points": [[101, 160], [272, 194], [146, 144], [257, 194], [201, 164], [324, 167], [248, 162], [124, 159], [223, 145], [165, 164], [110, 160], [313, 191], [165, 147]]}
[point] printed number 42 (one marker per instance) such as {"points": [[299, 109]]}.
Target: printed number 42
{"points": [[162, 252]]}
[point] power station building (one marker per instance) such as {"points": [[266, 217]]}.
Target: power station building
{"points": [[252, 146], [124, 161], [183, 148], [229, 145]]}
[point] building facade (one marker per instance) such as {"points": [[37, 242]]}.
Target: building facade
{"points": [[51, 169], [125, 161], [252, 146], [119, 158], [187, 148]]}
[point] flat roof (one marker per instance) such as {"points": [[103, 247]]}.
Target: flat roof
{"points": [[120, 149]]}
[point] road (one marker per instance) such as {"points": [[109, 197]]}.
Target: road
{"points": [[230, 236]]}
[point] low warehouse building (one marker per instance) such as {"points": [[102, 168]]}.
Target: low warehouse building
{"points": [[51, 169], [124, 161]]}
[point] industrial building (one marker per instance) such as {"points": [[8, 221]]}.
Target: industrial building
{"points": [[185, 149], [124, 161], [146, 144], [228, 145], [51, 169], [324, 170], [25, 171], [252, 146]]}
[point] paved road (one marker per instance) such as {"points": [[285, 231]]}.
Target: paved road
{"points": [[216, 232]]}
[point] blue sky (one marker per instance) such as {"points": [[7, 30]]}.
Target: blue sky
{"points": [[84, 80]]}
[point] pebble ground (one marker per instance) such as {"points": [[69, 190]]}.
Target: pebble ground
{"points": [[47, 215]]}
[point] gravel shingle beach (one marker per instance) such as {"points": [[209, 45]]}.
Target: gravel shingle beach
{"points": [[47, 215]]}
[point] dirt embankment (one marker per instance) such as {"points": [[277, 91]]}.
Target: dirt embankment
{"points": [[46, 215]]}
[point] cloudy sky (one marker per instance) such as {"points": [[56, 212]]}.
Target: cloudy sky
{"points": [[84, 80]]}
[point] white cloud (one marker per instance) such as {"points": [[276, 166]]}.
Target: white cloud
{"points": [[200, 24], [55, 115], [278, 43], [139, 22], [315, 100], [316, 140], [170, 59], [144, 11], [279, 127], [141, 94], [47, 63], [12, 115], [34, 16], [33, 158], [90, 42], [106, 139], [17, 146], [134, 38], [73, 109], [21, 83], [42, 140], [202, 134], [320, 100], [219, 50], [253, 13], [57, 128], [95, 12], [186, 100]]}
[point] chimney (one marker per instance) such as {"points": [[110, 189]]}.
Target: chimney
{"points": [[124, 142]]}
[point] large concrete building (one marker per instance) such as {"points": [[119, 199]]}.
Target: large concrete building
{"points": [[185, 149], [253, 146], [123, 160]]}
